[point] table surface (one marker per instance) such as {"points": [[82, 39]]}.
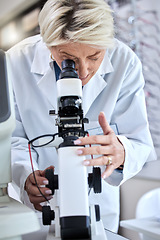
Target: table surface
{"points": [[148, 226]]}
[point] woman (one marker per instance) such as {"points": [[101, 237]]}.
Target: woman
{"points": [[112, 81]]}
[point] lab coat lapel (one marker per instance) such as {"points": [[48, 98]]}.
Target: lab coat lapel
{"points": [[91, 91], [42, 66], [96, 84], [48, 87]]}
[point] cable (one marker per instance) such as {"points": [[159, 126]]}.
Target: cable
{"points": [[29, 147], [89, 191]]}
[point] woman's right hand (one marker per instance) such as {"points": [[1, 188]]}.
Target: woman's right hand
{"points": [[33, 193]]}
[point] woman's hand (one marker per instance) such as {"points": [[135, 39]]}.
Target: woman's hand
{"points": [[108, 145], [33, 193]]}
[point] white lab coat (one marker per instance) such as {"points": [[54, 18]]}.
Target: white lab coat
{"points": [[116, 89]]}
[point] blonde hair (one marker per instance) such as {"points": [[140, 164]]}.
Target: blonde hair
{"points": [[82, 21]]}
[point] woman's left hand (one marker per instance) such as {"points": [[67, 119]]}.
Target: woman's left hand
{"points": [[107, 145]]}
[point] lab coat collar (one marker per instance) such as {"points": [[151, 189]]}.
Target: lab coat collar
{"points": [[106, 65], [43, 65], [42, 59]]}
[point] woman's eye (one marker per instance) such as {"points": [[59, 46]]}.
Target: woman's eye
{"points": [[93, 59], [65, 57], [71, 58]]}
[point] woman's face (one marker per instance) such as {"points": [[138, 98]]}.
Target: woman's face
{"points": [[86, 58]]}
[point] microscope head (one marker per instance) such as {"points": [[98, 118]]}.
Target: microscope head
{"points": [[69, 89]]}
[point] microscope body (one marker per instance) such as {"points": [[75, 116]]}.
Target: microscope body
{"points": [[74, 217], [73, 194]]}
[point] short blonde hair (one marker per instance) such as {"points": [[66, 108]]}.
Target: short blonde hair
{"points": [[82, 21]]}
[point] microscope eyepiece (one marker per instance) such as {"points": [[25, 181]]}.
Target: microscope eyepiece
{"points": [[68, 64], [68, 69]]}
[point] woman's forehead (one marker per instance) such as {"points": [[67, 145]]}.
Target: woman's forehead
{"points": [[78, 49]]}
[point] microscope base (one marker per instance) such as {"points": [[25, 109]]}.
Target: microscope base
{"points": [[16, 219], [99, 235]]}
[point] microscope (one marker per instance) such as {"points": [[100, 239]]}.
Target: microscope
{"points": [[73, 216], [15, 218]]}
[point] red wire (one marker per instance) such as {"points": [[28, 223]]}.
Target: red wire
{"points": [[29, 147]]}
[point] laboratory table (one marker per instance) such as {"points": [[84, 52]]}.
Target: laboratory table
{"points": [[42, 234], [149, 227]]}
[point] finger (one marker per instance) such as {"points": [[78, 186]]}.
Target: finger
{"points": [[104, 124], [37, 200], [38, 207], [95, 150], [103, 160], [95, 139], [34, 190], [39, 178], [109, 170]]}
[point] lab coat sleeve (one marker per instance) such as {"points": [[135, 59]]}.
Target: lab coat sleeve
{"points": [[131, 119], [21, 166]]}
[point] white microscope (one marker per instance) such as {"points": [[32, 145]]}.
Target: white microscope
{"points": [[74, 218], [15, 218]]}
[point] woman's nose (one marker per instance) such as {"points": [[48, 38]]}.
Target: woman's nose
{"points": [[82, 69]]}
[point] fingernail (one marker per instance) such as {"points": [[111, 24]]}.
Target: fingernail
{"points": [[104, 176], [45, 182], [86, 163], [48, 192], [79, 152], [76, 142], [49, 197]]}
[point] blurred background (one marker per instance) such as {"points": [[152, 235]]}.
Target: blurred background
{"points": [[137, 23], [18, 20]]}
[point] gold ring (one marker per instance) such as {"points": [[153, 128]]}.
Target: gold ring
{"points": [[109, 160]]}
